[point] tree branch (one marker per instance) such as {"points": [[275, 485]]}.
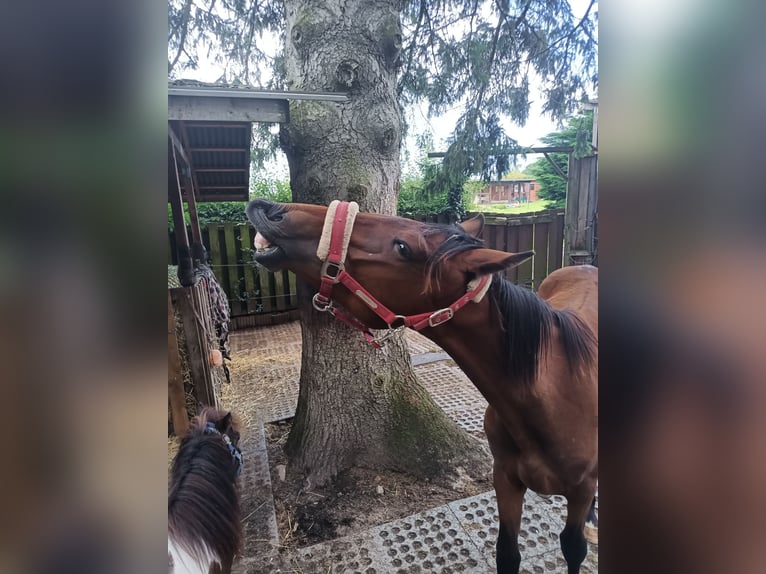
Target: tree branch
{"points": [[566, 36], [411, 47], [182, 38]]}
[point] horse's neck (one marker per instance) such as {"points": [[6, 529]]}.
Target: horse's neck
{"points": [[184, 563], [476, 343]]}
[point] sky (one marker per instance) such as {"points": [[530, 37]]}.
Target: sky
{"points": [[441, 127]]}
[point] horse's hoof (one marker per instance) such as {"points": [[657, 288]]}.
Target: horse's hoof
{"points": [[591, 533]]}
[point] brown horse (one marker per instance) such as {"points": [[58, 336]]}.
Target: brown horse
{"points": [[533, 357], [204, 528]]}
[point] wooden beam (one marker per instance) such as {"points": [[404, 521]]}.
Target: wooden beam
{"points": [[555, 166], [191, 199], [185, 265], [202, 125], [250, 93], [222, 169], [177, 144], [244, 196], [176, 396], [517, 151], [220, 149], [176, 202], [227, 109]]}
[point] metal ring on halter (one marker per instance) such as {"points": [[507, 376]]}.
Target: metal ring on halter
{"points": [[388, 334], [319, 306]]}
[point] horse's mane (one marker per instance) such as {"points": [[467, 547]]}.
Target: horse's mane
{"points": [[526, 319], [203, 506]]}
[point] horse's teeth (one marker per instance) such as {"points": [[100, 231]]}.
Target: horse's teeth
{"points": [[261, 243]]}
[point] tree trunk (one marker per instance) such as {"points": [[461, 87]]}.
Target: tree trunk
{"points": [[357, 405]]}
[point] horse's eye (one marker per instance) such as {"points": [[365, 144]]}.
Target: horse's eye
{"points": [[402, 248]]}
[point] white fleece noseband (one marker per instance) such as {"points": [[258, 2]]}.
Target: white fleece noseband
{"points": [[323, 249]]}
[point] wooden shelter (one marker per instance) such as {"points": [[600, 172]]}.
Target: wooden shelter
{"points": [[209, 139]]}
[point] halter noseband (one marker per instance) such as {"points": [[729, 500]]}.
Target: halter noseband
{"points": [[236, 453], [332, 250]]}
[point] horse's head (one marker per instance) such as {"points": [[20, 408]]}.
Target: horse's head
{"points": [[225, 422], [409, 267]]}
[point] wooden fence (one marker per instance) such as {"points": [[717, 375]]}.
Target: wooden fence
{"points": [[250, 289], [542, 232], [254, 291]]}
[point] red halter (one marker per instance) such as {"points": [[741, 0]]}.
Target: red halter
{"points": [[333, 272]]}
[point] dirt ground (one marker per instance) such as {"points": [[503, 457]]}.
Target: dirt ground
{"points": [[353, 502]]}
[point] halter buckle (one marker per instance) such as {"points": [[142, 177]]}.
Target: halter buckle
{"points": [[328, 267], [440, 316], [321, 303]]}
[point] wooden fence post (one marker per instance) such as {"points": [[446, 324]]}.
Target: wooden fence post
{"points": [[582, 201], [190, 304]]}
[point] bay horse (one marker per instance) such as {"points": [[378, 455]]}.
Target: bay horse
{"points": [[532, 356], [204, 528]]}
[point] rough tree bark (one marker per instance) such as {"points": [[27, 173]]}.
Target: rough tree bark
{"points": [[357, 405]]}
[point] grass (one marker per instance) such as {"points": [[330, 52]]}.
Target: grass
{"points": [[530, 207]]}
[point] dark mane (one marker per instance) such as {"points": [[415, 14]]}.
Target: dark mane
{"points": [[203, 506], [528, 320], [525, 318]]}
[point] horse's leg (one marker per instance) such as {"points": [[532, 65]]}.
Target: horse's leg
{"points": [[510, 498], [591, 524], [572, 538]]}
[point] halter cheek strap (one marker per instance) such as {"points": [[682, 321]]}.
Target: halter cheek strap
{"points": [[236, 453], [332, 250]]}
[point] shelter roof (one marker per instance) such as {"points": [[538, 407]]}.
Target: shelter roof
{"points": [[210, 126]]}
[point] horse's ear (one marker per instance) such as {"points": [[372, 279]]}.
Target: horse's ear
{"points": [[224, 424], [473, 225], [486, 261]]}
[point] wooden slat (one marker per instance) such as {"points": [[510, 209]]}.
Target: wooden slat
{"points": [[279, 290], [555, 250], [176, 396], [206, 240], [246, 244], [216, 257], [231, 268], [525, 244], [491, 240], [591, 231], [292, 282], [582, 206], [541, 232], [512, 246], [264, 281]]}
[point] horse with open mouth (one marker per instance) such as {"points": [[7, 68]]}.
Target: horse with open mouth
{"points": [[532, 356]]}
